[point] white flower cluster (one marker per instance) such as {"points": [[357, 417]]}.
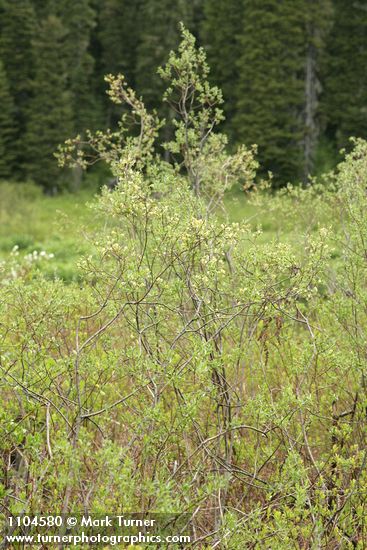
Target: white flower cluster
{"points": [[16, 267], [36, 256]]}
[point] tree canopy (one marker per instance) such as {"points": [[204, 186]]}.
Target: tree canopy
{"points": [[292, 74]]}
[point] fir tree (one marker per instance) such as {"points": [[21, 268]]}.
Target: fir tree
{"points": [[78, 18], [220, 33], [270, 92], [318, 23], [42, 8], [118, 35], [50, 110], [6, 127], [345, 97], [18, 27], [158, 35]]}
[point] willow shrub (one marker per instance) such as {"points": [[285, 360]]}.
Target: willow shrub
{"points": [[194, 370]]}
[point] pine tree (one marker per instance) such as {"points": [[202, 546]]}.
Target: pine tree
{"points": [[50, 110], [18, 27], [6, 127], [345, 75], [220, 33], [270, 92]]}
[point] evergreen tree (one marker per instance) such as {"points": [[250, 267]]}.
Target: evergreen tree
{"points": [[119, 34], [159, 34], [277, 62], [220, 33], [78, 18], [270, 92], [50, 110], [6, 127], [318, 22], [345, 97], [17, 29], [42, 8]]}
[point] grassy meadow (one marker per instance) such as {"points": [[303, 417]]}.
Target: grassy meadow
{"points": [[59, 225], [63, 225]]}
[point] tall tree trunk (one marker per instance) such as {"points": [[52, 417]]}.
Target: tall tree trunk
{"points": [[312, 89]]}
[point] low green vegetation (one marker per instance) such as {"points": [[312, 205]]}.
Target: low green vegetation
{"points": [[65, 224], [185, 360], [61, 225], [31, 221]]}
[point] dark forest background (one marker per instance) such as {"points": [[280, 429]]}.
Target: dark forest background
{"points": [[293, 74]]}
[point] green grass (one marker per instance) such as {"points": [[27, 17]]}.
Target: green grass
{"points": [[33, 221], [60, 225]]}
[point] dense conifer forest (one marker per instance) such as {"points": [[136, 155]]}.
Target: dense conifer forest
{"points": [[292, 74]]}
